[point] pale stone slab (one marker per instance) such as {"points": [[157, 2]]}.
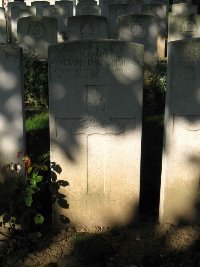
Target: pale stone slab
{"points": [[95, 92], [36, 33], [87, 27], [39, 6], [17, 12], [142, 29], [184, 9], [117, 10], [160, 11], [181, 153], [183, 27], [2, 13], [3, 31], [12, 134], [88, 9], [66, 4], [60, 13]]}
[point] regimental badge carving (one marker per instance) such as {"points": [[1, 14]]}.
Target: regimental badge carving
{"points": [[189, 27], [137, 29], [36, 30], [87, 30]]}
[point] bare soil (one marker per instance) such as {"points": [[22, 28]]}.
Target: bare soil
{"points": [[149, 245]]}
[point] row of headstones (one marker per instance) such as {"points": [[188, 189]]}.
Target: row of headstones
{"points": [[149, 29], [95, 107]]}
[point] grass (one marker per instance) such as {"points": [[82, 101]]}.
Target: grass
{"points": [[37, 121]]}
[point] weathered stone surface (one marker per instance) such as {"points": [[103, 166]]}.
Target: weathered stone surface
{"points": [[17, 12], [142, 29], [117, 10], [3, 31], [183, 27], [181, 154], [160, 11], [39, 6], [87, 27], [12, 134], [95, 92], [88, 9], [60, 13], [66, 4], [2, 13], [184, 9], [36, 33]]}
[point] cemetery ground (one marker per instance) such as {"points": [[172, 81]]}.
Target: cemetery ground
{"points": [[146, 244]]}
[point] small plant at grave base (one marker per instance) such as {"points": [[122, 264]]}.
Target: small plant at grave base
{"points": [[23, 202]]}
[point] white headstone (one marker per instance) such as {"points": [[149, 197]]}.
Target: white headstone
{"points": [[95, 92], [142, 29], [2, 13], [160, 11], [59, 12], [179, 195], [183, 27], [117, 10], [184, 9], [39, 6], [36, 33], [88, 9], [66, 4], [3, 31], [16, 13], [12, 134], [87, 27]]}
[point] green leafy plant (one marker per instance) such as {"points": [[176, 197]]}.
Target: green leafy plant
{"points": [[35, 82], [22, 204]]}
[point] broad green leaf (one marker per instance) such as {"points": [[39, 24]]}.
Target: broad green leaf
{"points": [[28, 200], [38, 178], [38, 219], [29, 191]]}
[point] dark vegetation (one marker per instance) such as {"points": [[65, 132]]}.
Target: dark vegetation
{"points": [[36, 244]]}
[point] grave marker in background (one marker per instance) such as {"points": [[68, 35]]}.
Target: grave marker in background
{"points": [[39, 6], [95, 92], [60, 13], [181, 154], [36, 33], [183, 27], [184, 9], [3, 31], [87, 27], [142, 29], [160, 11], [117, 10]]}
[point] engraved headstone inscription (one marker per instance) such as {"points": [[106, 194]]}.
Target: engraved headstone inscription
{"points": [[87, 27], [179, 197], [160, 11], [95, 94], [35, 34], [12, 134], [142, 29], [183, 27]]}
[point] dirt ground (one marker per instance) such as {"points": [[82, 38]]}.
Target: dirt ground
{"points": [[149, 245]]}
